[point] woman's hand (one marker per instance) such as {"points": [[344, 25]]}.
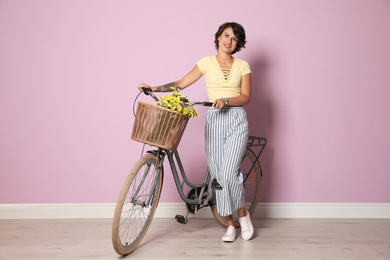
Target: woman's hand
{"points": [[143, 85], [219, 103]]}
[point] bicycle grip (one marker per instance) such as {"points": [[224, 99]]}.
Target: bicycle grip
{"points": [[147, 91]]}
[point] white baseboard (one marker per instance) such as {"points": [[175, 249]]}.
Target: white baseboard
{"points": [[169, 210]]}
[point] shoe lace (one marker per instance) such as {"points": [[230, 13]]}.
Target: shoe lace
{"points": [[244, 224]]}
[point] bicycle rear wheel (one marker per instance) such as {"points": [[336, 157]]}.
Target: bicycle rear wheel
{"points": [[136, 204], [252, 185]]}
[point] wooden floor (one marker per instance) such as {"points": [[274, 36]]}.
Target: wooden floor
{"points": [[199, 239]]}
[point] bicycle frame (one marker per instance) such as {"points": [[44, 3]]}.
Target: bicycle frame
{"points": [[182, 179]]}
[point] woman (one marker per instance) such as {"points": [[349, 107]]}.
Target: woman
{"points": [[228, 82]]}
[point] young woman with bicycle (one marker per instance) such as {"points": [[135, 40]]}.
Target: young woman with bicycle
{"points": [[228, 82]]}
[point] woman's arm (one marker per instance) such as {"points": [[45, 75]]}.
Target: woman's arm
{"points": [[186, 81]]}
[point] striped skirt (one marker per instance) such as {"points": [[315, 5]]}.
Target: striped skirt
{"points": [[226, 134]]}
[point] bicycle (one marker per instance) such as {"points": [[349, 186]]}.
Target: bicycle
{"points": [[140, 194]]}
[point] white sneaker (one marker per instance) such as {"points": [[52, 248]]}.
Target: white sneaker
{"points": [[246, 226], [230, 235]]}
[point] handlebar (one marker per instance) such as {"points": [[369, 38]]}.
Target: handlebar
{"points": [[149, 92]]}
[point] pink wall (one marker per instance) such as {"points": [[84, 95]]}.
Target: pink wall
{"points": [[69, 71]]}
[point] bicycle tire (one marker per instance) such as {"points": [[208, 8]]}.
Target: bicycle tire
{"points": [[136, 204], [252, 185]]}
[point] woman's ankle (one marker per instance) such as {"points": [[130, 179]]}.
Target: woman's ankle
{"points": [[229, 221], [241, 212]]}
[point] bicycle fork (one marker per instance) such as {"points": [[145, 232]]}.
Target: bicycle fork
{"points": [[150, 196]]}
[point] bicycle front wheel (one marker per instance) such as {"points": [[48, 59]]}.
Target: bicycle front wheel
{"points": [[136, 204], [252, 184]]}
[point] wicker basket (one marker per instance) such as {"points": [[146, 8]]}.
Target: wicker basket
{"points": [[158, 126]]}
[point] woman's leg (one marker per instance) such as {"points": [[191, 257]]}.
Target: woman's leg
{"points": [[241, 212], [226, 135], [245, 223], [229, 220]]}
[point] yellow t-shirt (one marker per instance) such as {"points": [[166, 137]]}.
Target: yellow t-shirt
{"points": [[220, 84]]}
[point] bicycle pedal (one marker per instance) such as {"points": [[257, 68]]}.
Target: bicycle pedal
{"points": [[181, 219], [216, 185]]}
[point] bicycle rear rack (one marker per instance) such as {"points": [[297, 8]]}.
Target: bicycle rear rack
{"points": [[254, 141]]}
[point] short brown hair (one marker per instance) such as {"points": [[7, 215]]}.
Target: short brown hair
{"points": [[238, 31]]}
